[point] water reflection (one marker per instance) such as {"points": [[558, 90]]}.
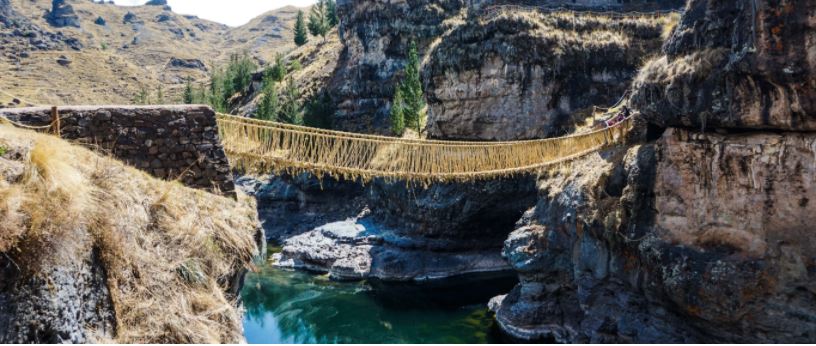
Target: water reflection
{"points": [[295, 307]]}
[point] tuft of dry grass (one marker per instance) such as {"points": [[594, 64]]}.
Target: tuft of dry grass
{"points": [[695, 66], [170, 253]]}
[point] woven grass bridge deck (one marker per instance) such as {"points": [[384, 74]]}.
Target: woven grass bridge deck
{"points": [[271, 147]]}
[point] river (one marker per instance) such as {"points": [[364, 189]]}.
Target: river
{"points": [[296, 307]]}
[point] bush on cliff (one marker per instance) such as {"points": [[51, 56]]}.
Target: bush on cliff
{"points": [[169, 255]]}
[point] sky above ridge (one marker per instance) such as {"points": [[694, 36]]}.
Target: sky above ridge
{"points": [[230, 12]]}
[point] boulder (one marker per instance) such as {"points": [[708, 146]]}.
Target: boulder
{"points": [[63, 60], [100, 21], [131, 18], [62, 14], [187, 63]]}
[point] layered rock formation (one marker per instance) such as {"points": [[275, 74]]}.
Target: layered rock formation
{"points": [[697, 236], [376, 35], [737, 65], [530, 74]]}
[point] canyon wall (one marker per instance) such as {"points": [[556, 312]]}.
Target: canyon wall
{"points": [[169, 142], [479, 71], [376, 35], [530, 74], [485, 78], [699, 231]]}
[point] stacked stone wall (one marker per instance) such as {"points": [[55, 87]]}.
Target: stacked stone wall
{"points": [[169, 142]]}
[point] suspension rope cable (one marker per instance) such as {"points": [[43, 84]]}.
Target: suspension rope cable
{"points": [[271, 147]]}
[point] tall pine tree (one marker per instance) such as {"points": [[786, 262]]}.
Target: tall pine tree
{"points": [[188, 97], [301, 37], [319, 19], [290, 109], [398, 113], [269, 106], [331, 11], [411, 88]]}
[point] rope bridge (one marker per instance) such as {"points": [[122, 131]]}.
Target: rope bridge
{"points": [[266, 146]]}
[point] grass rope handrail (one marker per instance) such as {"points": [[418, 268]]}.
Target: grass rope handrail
{"points": [[271, 147]]}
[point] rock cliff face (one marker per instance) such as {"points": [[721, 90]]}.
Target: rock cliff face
{"points": [[530, 74], [735, 65], [376, 35], [529, 67], [697, 236]]}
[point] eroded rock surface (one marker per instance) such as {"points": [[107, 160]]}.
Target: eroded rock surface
{"points": [[441, 231], [376, 35], [735, 65], [528, 74], [685, 240]]}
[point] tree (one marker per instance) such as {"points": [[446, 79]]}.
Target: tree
{"points": [[268, 107], [398, 113], [160, 95], [411, 89], [319, 111], [290, 110], [300, 30], [142, 97], [188, 96], [238, 74], [331, 11], [278, 71], [319, 19]]}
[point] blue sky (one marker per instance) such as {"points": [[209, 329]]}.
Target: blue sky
{"points": [[230, 12]]}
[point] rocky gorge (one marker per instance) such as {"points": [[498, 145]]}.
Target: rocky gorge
{"points": [[695, 230], [396, 232], [699, 231]]}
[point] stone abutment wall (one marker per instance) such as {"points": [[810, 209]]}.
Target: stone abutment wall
{"points": [[169, 142]]}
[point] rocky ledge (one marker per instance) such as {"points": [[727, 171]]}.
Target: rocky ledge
{"points": [[415, 233]]}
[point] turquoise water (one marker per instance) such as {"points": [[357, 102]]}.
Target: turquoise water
{"points": [[296, 307]]}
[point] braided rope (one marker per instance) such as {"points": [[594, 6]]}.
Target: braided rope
{"points": [[258, 145], [492, 12]]}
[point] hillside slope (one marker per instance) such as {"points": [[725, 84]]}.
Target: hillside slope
{"points": [[92, 250], [117, 51]]}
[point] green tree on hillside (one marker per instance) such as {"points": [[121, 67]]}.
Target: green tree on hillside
{"points": [[278, 71], [290, 109], [301, 37], [398, 113], [268, 107], [160, 95], [188, 95], [142, 97], [331, 9], [319, 19], [239, 74], [411, 89]]}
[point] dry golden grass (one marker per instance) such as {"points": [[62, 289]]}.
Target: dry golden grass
{"points": [[695, 66], [169, 252]]}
